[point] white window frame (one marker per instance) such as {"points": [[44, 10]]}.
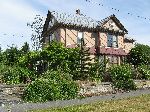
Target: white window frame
{"points": [[80, 35], [112, 41]]}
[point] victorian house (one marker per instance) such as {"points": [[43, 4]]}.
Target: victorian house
{"points": [[106, 38]]}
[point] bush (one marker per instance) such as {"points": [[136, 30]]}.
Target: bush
{"points": [[140, 54], [97, 70], [122, 77], [15, 75], [144, 70], [54, 85]]}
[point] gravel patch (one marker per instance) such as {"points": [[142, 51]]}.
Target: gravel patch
{"points": [[30, 106]]}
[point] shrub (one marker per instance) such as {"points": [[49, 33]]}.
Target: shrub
{"points": [[54, 85], [140, 54], [15, 75], [122, 77], [41, 90], [144, 70], [97, 70], [11, 56]]}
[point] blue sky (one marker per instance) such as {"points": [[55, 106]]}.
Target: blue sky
{"points": [[14, 15]]}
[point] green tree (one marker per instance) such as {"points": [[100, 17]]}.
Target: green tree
{"points": [[140, 54], [52, 57], [11, 56], [25, 48], [37, 28], [84, 62], [97, 69], [1, 55], [58, 56]]}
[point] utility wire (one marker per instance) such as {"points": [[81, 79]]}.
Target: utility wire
{"points": [[118, 10]]}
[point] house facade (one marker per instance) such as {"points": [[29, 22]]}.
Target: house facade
{"points": [[105, 38]]}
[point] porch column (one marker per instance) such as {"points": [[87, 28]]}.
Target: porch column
{"points": [[119, 61]]}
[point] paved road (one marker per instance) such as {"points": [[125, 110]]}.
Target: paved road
{"points": [[30, 106]]}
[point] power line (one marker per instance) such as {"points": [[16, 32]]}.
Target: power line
{"points": [[118, 10]]}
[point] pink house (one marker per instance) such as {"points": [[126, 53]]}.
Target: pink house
{"points": [[105, 38]]}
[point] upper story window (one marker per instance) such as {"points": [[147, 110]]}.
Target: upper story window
{"points": [[51, 22], [112, 41], [79, 37], [51, 37]]}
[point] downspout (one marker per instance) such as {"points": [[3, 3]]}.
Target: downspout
{"points": [[98, 43]]}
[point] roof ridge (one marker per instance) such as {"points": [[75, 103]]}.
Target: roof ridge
{"points": [[67, 18]]}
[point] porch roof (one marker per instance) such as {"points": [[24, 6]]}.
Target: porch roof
{"points": [[111, 51]]}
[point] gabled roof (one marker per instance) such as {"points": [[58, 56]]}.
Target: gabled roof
{"points": [[81, 22], [115, 19], [128, 40]]}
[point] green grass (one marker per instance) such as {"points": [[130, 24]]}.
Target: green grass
{"points": [[135, 104]]}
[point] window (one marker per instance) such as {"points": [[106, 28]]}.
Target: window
{"points": [[112, 41], [80, 36], [51, 37], [115, 41], [113, 59], [109, 40]]}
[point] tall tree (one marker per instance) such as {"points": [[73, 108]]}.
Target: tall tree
{"points": [[84, 62], [37, 27], [11, 55]]}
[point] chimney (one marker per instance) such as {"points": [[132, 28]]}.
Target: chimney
{"points": [[78, 11]]}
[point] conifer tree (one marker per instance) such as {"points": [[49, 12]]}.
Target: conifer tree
{"points": [[85, 61]]}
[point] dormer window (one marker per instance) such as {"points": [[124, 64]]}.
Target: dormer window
{"points": [[112, 41], [79, 37]]}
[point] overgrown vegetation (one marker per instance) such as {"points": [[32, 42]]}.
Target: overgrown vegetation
{"points": [[54, 70], [144, 71], [140, 54], [84, 62], [15, 74], [53, 85], [97, 70], [122, 77]]}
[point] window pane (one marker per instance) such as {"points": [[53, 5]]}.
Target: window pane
{"points": [[110, 59], [51, 37], [112, 41], [80, 36], [114, 38], [115, 59], [109, 40], [115, 41]]}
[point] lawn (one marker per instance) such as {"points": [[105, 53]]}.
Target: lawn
{"points": [[135, 104]]}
